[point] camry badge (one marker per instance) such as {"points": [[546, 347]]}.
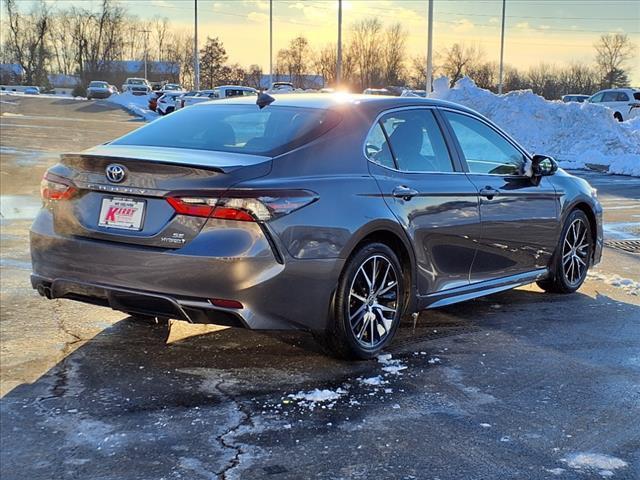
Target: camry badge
{"points": [[115, 173]]}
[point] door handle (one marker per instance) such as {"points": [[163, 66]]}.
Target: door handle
{"points": [[403, 192], [489, 192]]}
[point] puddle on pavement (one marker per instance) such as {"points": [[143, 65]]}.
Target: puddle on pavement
{"points": [[622, 231], [25, 157], [18, 207]]}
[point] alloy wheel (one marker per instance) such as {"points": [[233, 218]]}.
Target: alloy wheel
{"points": [[575, 252], [373, 301]]}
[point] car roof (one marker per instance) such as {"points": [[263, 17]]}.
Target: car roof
{"points": [[331, 100], [241, 87]]}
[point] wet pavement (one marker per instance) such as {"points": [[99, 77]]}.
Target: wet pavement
{"points": [[519, 384]]}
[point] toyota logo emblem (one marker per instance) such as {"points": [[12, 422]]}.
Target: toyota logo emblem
{"points": [[115, 173]]}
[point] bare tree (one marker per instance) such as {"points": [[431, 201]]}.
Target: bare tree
{"points": [[613, 51], [366, 49], [253, 76], [160, 28], [27, 40], [458, 60], [325, 63], [394, 53]]}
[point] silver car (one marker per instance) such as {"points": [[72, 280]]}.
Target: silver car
{"points": [[333, 214], [98, 89]]}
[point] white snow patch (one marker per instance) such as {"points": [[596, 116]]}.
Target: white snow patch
{"points": [[311, 398], [629, 286], [485, 425], [555, 471], [136, 104], [594, 461], [392, 366], [372, 381], [574, 133]]}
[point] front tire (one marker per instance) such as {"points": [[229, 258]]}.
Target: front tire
{"points": [[572, 257], [368, 305]]}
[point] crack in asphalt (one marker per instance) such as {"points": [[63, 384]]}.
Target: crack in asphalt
{"points": [[244, 421]]}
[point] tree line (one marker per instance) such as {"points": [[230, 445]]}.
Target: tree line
{"points": [[84, 42]]}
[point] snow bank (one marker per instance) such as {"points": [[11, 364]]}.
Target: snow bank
{"points": [[136, 104], [574, 133]]}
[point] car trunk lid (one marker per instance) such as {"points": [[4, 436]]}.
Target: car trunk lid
{"points": [[133, 208]]}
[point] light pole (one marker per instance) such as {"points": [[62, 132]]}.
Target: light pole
{"points": [[146, 40], [339, 55], [196, 56], [429, 48], [504, 5], [270, 43]]}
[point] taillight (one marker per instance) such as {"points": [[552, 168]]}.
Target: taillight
{"points": [[54, 188], [244, 205]]}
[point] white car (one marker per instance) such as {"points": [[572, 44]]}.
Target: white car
{"points": [[137, 86], [167, 102], [224, 91], [281, 87], [625, 102]]}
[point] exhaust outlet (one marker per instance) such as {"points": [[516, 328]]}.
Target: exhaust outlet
{"points": [[44, 291]]}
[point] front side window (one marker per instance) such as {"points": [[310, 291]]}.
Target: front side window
{"points": [[597, 98], [377, 149], [416, 141], [484, 149]]}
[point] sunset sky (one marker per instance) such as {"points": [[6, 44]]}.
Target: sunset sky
{"points": [[553, 31]]}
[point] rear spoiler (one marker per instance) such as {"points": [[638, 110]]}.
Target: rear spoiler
{"points": [[223, 162]]}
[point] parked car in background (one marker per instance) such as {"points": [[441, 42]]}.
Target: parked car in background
{"points": [[32, 91], [181, 99], [414, 93], [218, 93], [167, 102], [281, 87], [575, 97], [137, 86], [330, 214], [624, 102], [377, 91], [98, 89], [172, 87]]}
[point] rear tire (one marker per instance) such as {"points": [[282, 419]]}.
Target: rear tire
{"points": [[572, 257], [369, 302]]}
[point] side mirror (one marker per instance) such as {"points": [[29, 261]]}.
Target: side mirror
{"points": [[543, 166]]}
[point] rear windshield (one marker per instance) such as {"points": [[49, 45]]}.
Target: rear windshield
{"points": [[636, 95], [235, 128], [98, 84]]}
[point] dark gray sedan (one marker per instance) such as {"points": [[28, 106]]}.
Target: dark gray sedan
{"points": [[332, 214]]}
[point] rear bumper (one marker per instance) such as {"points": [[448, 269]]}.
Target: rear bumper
{"points": [[276, 293]]}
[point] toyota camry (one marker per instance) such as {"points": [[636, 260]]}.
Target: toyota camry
{"points": [[334, 214]]}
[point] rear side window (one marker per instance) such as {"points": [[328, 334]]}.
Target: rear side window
{"points": [[235, 128], [610, 97], [484, 149], [377, 149], [622, 97], [416, 141]]}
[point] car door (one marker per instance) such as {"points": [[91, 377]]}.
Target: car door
{"points": [[519, 216], [422, 183]]}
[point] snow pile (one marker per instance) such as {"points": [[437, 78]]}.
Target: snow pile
{"points": [[629, 286], [574, 133], [136, 104]]}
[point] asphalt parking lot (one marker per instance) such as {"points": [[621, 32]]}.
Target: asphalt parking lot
{"points": [[517, 385]]}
